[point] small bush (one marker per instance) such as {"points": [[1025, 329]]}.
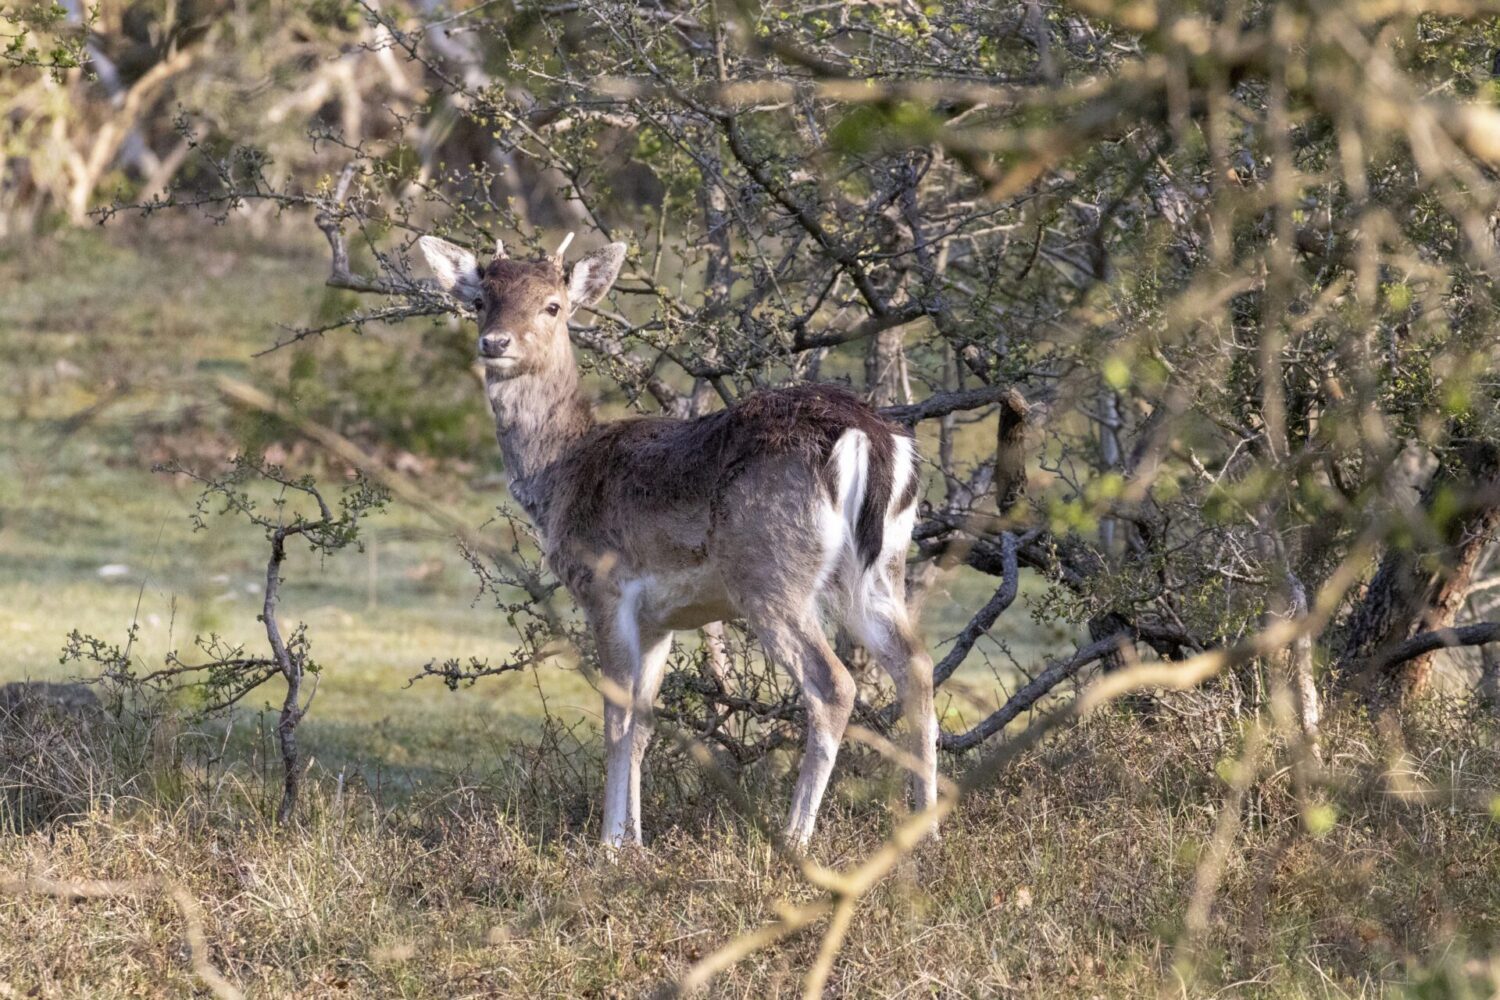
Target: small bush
{"points": [[62, 754]]}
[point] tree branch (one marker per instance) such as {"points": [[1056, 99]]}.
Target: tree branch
{"points": [[946, 402], [1031, 693], [1478, 634], [1003, 597]]}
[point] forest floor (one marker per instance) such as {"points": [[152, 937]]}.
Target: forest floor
{"points": [[444, 847]]}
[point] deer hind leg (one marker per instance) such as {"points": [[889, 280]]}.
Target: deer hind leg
{"points": [[633, 663], [879, 620], [828, 693]]}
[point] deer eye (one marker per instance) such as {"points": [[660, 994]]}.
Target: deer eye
{"points": [[552, 308], [479, 305]]}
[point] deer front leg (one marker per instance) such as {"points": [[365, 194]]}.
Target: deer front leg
{"points": [[653, 664], [616, 770], [632, 666]]}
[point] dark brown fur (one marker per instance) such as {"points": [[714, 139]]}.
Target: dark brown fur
{"points": [[663, 463]]}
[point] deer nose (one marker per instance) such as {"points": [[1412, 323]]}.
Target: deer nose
{"points": [[493, 345]]}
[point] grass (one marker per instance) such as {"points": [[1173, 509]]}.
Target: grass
{"points": [[1067, 879], [444, 848]]}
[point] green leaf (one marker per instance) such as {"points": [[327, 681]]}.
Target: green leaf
{"points": [[1116, 372]]}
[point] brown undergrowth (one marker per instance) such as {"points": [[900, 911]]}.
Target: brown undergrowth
{"points": [[1070, 877]]}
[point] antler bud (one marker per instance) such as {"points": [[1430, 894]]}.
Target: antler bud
{"points": [[563, 246], [499, 247]]}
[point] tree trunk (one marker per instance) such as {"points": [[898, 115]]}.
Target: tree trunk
{"points": [[1299, 658], [1489, 678], [884, 383], [1418, 589]]}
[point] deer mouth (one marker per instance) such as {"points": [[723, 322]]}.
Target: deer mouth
{"points": [[502, 366]]}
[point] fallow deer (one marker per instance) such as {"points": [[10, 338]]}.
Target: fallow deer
{"points": [[789, 505]]}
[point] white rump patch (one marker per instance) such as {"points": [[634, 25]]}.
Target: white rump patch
{"points": [[851, 460], [875, 598], [899, 523], [850, 464], [865, 596]]}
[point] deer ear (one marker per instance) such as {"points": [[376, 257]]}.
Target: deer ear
{"points": [[593, 275], [456, 270]]}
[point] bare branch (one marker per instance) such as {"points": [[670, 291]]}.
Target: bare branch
{"points": [[944, 403], [1032, 692], [1003, 597], [1478, 634]]}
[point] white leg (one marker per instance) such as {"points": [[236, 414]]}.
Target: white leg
{"points": [[618, 645], [632, 665], [828, 692], [616, 772], [881, 624], [821, 750], [653, 664]]}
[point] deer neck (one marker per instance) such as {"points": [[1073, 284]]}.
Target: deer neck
{"points": [[539, 416]]}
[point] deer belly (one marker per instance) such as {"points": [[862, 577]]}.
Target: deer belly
{"points": [[686, 598]]}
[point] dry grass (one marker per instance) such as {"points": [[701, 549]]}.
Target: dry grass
{"points": [[1070, 878]]}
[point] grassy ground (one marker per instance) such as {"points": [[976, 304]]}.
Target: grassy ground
{"points": [[444, 848], [1070, 879]]}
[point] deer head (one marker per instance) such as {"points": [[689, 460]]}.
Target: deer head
{"points": [[522, 305]]}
